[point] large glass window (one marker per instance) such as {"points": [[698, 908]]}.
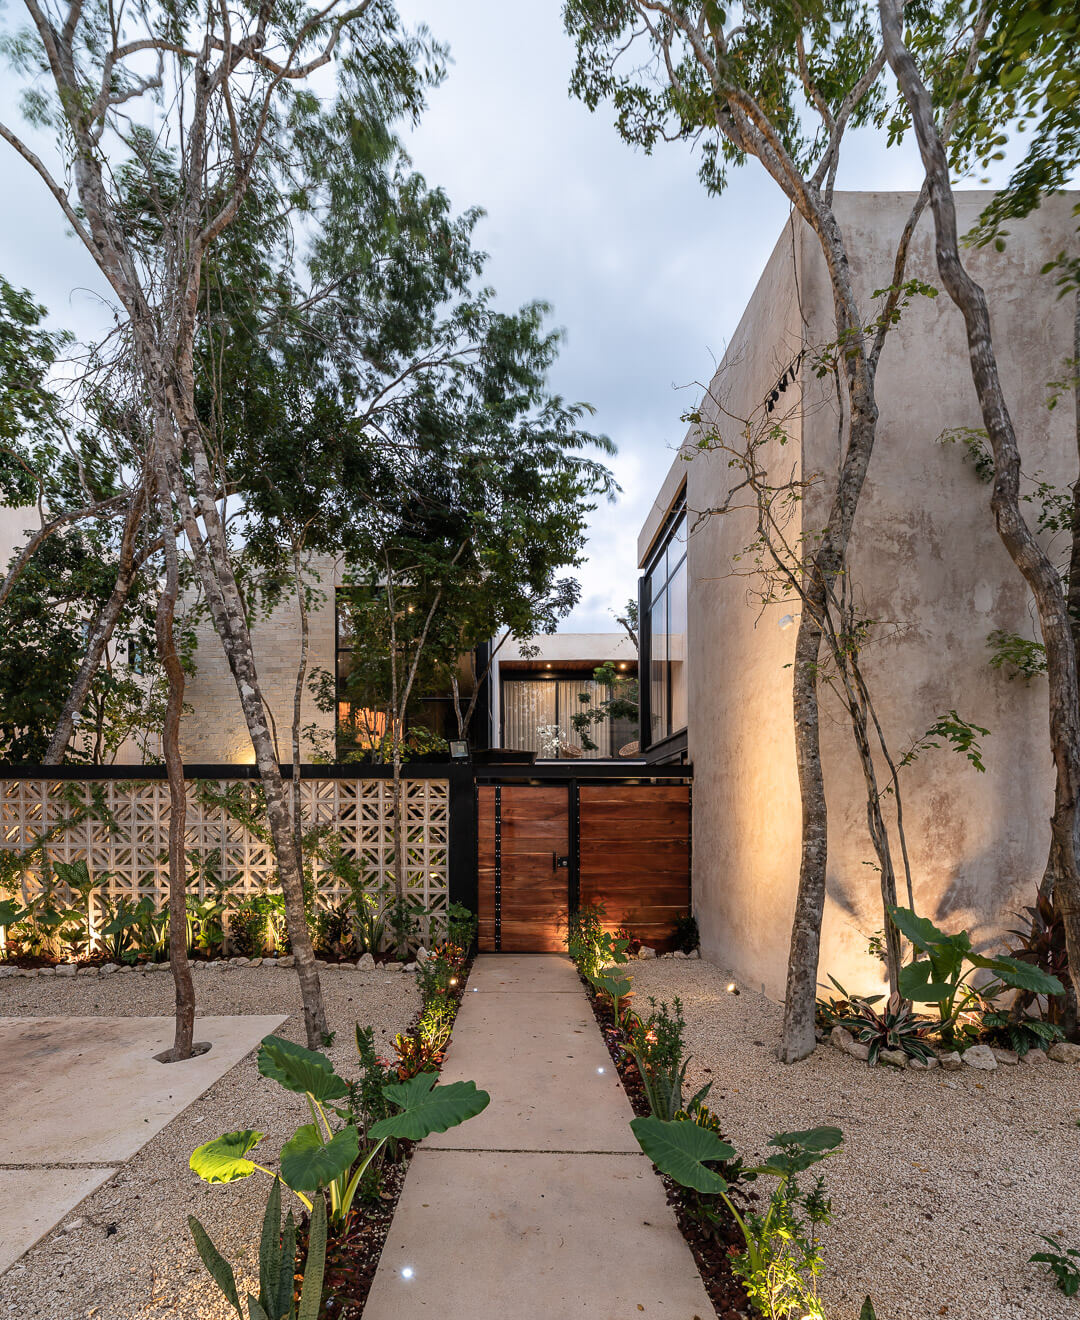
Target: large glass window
{"points": [[667, 636], [538, 716]]}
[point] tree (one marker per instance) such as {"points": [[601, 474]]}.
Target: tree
{"points": [[782, 85], [224, 91], [1019, 539]]}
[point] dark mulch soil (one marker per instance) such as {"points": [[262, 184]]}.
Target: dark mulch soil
{"points": [[353, 1257], [712, 1254]]}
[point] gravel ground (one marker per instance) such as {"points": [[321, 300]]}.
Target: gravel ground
{"points": [[945, 1180], [132, 1256]]}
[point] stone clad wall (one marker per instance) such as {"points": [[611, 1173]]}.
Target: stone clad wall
{"points": [[213, 731]]}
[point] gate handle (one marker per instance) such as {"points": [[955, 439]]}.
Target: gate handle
{"points": [[559, 863]]}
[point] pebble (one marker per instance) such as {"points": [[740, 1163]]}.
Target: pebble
{"points": [[1037, 1057], [951, 1061], [893, 1058], [365, 962], [1005, 1056], [107, 969], [66, 969], [1064, 1051], [645, 952]]}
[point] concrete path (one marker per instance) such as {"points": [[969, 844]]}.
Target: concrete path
{"points": [[79, 1096], [543, 1206]]}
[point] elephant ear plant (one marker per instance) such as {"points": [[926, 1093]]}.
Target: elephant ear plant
{"points": [[319, 1156], [942, 977], [782, 1258]]}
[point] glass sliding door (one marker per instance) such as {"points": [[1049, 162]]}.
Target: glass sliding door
{"points": [[667, 636]]}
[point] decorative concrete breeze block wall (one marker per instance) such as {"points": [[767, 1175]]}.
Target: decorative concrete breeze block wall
{"points": [[134, 852]]}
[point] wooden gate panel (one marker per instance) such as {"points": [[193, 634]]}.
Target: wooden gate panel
{"points": [[522, 832], [634, 855]]}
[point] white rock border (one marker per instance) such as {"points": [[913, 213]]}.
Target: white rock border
{"points": [[364, 964], [984, 1058]]}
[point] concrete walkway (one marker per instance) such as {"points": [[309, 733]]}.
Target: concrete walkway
{"points": [[543, 1206], [79, 1096]]}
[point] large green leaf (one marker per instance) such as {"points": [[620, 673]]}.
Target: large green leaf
{"points": [[299, 1069], [1020, 975], [819, 1138], [618, 987], [427, 1108], [868, 1312], [223, 1159], [915, 983], [680, 1149], [308, 1163], [11, 912]]}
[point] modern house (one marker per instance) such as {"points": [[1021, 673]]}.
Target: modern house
{"points": [[926, 564]]}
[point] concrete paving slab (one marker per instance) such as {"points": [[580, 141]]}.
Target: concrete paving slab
{"points": [[524, 973], [34, 1200], [514, 1235], [89, 1091], [550, 1077]]}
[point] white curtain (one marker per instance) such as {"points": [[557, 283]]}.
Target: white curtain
{"points": [[537, 716]]}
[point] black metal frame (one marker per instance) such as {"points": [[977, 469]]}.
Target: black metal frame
{"points": [[464, 780], [659, 547]]}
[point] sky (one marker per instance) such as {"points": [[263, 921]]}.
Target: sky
{"points": [[646, 274]]}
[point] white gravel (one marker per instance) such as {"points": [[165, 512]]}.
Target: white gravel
{"points": [[944, 1182], [132, 1255]]}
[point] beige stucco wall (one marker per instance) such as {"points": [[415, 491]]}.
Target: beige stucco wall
{"points": [[927, 562], [214, 729]]}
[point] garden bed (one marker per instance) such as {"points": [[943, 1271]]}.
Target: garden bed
{"points": [[944, 1181], [127, 1252], [712, 1253]]}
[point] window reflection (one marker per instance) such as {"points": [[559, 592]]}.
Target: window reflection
{"points": [[667, 637]]}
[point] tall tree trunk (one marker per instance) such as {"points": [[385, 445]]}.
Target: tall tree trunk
{"points": [[210, 551], [298, 697], [797, 1038], [1023, 546], [174, 768]]}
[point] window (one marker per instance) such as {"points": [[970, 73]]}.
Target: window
{"points": [[537, 716], [664, 597]]}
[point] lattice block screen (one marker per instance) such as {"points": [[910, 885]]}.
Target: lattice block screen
{"points": [[133, 850]]}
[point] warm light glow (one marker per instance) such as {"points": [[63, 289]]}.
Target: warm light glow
{"points": [[453, 980], [548, 665], [732, 988]]}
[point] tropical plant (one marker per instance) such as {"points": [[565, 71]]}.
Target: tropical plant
{"points": [[782, 1258], [462, 925], [656, 1046], [1043, 945], [616, 988], [11, 915], [332, 930], [277, 1264], [77, 930], [437, 975], [1064, 1264], [942, 977], [894, 1028], [318, 1156], [590, 946], [248, 933], [1021, 1034], [152, 929], [119, 933], [831, 1010]]}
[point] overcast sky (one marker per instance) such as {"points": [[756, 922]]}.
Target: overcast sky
{"points": [[646, 274]]}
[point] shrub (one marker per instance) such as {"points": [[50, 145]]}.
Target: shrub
{"points": [[656, 1046]]}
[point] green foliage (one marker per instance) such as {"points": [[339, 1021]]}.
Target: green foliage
{"points": [[1064, 1264], [1016, 656], [782, 1257], [894, 1028], [590, 946], [1021, 1034], [615, 987], [277, 1257], [462, 926], [942, 976], [960, 734], [621, 703], [656, 1046], [321, 1157]]}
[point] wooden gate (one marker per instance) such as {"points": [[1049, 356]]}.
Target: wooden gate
{"points": [[544, 850]]}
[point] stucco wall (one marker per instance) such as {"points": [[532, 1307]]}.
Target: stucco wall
{"points": [[926, 561], [214, 729]]}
